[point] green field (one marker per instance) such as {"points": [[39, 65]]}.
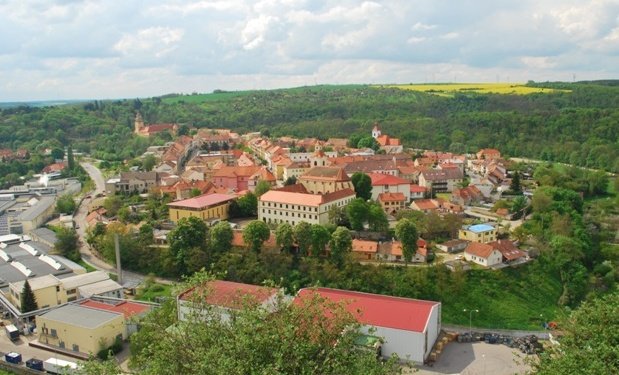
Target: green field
{"points": [[448, 89]]}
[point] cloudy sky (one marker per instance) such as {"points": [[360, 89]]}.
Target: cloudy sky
{"points": [[68, 49]]}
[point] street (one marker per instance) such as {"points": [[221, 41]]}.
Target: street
{"points": [[80, 219]]}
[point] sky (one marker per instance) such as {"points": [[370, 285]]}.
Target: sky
{"points": [[74, 49]]}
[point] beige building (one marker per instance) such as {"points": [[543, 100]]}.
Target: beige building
{"points": [[482, 233], [38, 213], [323, 180], [51, 291], [208, 207], [295, 204], [80, 329], [129, 182]]}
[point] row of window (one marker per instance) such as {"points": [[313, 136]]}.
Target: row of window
{"points": [[291, 206], [305, 216]]}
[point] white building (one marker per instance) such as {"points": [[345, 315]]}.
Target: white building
{"points": [[483, 254], [409, 327], [384, 183], [294, 204]]}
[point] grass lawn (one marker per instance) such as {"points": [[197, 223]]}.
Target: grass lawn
{"points": [[149, 293], [88, 267]]}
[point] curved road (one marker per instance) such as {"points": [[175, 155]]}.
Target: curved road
{"points": [[80, 219]]}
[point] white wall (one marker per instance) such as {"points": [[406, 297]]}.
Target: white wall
{"points": [[408, 345]]}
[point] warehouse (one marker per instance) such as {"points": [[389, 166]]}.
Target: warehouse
{"points": [[409, 327]]}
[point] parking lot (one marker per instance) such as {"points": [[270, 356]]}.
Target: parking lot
{"points": [[476, 359], [27, 352]]}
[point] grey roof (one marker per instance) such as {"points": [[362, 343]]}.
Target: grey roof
{"points": [[45, 235], [9, 274], [80, 316], [36, 210]]}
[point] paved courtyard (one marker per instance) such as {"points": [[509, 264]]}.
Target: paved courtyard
{"points": [[476, 359]]}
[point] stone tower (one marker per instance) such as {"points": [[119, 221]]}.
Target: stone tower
{"points": [[139, 123]]}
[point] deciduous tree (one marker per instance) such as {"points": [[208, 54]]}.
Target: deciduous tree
{"points": [[303, 237], [362, 184], [284, 236], [340, 245], [254, 235], [221, 237], [406, 232]]}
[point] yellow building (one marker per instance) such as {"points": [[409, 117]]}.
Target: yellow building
{"points": [[482, 233], [80, 329], [51, 291], [207, 207]]}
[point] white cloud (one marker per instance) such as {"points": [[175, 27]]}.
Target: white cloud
{"points": [[157, 41], [50, 48]]}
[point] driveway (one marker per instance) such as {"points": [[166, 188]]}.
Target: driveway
{"points": [[476, 359]]}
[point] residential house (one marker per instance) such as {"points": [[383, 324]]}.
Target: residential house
{"points": [[208, 207], [234, 178], [453, 246], [467, 196], [270, 245], [441, 180], [364, 250], [483, 254], [132, 182], [293, 204], [488, 154], [295, 169], [392, 202], [263, 174], [409, 327], [391, 251], [510, 252], [425, 205], [417, 192], [384, 183], [483, 233], [54, 168]]}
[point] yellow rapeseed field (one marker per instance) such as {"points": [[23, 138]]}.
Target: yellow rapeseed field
{"points": [[449, 89]]}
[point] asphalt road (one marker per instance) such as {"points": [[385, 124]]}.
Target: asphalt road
{"points": [[80, 219]]}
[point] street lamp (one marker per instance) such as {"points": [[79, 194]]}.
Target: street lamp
{"points": [[470, 319]]}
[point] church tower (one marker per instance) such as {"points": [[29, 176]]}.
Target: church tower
{"points": [[376, 131], [139, 123]]}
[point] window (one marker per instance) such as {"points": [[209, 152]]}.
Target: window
{"points": [[54, 333], [76, 348]]}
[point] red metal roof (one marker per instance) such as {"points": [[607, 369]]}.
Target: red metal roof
{"points": [[378, 310], [126, 308], [232, 295], [202, 201]]}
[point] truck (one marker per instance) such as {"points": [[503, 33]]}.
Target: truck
{"points": [[12, 332], [59, 366]]}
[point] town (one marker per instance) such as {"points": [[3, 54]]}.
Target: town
{"points": [[367, 199]]}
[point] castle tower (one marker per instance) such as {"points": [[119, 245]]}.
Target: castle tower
{"points": [[376, 131], [139, 123]]}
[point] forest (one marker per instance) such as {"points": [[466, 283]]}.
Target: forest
{"points": [[578, 126]]}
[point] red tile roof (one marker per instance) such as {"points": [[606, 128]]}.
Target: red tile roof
{"points": [[126, 308], [425, 204], [386, 179], [481, 250], [418, 189], [362, 246], [236, 171], [391, 197], [378, 310], [508, 249], [231, 294], [314, 200], [202, 201]]}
